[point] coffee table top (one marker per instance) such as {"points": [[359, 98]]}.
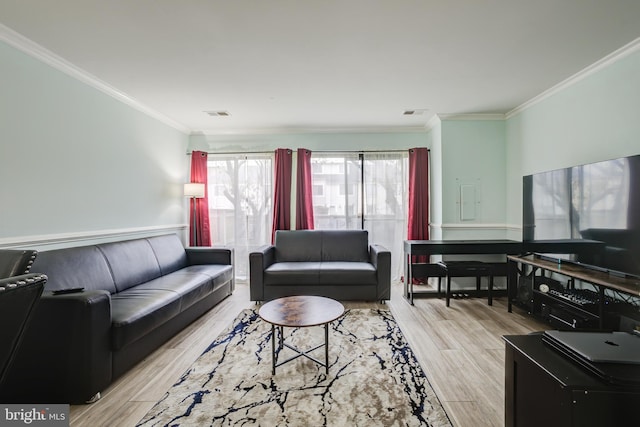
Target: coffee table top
{"points": [[301, 311]]}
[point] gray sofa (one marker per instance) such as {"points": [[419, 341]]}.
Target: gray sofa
{"points": [[137, 294], [339, 264]]}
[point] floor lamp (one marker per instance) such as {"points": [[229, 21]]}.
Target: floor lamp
{"points": [[194, 191]]}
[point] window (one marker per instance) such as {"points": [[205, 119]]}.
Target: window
{"points": [[333, 207], [240, 205]]}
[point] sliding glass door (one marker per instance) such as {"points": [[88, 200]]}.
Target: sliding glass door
{"points": [[363, 191], [240, 204], [386, 180]]}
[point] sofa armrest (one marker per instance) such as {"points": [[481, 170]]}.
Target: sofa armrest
{"points": [[65, 355], [259, 260], [381, 260], [210, 255]]}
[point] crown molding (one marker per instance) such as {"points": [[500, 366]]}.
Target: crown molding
{"points": [[613, 57], [472, 116], [303, 130], [44, 55], [432, 123]]}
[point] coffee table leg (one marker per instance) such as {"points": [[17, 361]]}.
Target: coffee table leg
{"points": [[273, 349], [326, 347]]}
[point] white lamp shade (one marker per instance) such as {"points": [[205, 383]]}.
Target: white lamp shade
{"points": [[194, 189]]}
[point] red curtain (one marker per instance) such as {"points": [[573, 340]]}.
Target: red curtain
{"points": [[418, 197], [282, 192], [304, 190], [199, 174]]}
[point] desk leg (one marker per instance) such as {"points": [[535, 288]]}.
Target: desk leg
{"points": [[408, 279], [512, 281]]}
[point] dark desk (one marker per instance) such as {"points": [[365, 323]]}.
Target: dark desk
{"points": [[451, 247]]}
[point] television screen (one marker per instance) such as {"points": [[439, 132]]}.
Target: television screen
{"points": [[593, 209]]}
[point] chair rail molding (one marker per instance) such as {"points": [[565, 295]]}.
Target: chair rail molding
{"points": [[476, 226], [62, 240]]}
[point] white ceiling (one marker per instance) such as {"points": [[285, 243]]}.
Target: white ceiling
{"points": [[287, 65]]}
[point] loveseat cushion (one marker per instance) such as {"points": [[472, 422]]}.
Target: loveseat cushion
{"points": [[292, 273], [345, 245], [298, 246], [347, 273], [136, 311]]}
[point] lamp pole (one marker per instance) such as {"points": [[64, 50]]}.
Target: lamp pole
{"points": [[195, 191], [194, 227]]}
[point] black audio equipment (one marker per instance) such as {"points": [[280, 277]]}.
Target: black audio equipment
{"points": [[525, 290], [564, 317]]}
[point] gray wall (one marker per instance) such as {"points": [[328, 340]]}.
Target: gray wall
{"points": [[596, 118], [77, 164]]}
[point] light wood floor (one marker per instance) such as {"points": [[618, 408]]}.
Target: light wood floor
{"points": [[460, 348]]}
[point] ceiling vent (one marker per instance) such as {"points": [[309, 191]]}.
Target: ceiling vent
{"points": [[218, 113], [416, 112]]}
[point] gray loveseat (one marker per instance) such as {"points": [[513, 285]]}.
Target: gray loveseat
{"points": [[137, 294], [339, 264]]}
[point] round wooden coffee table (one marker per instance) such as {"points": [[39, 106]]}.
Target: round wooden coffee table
{"points": [[299, 312]]}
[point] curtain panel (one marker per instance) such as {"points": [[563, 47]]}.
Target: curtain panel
{"points": [[282, 192], [199, 174], [418, 223], [304, 190]]}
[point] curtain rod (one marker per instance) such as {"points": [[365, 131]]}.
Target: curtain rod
{"points": [[313, 151]]}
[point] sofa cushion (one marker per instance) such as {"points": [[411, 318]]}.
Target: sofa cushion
{"points": [[345, 245], [135, 312], [131, 262], [347, 273], [298, 246], [190, 287], [219, 273], [169, 253], [292, 273], [81, 267]]}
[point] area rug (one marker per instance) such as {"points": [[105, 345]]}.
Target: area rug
{"points": [[374, 379]]}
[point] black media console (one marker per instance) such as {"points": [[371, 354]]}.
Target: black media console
{"points": [[547, 288]]}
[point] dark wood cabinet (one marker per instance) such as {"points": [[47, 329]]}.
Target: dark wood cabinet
{"points": [[543, 388]]}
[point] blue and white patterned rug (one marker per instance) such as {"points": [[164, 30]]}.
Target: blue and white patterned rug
{"points": [[374, 379]]}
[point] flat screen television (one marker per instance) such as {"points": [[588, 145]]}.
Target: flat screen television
{"points": [[592, 211]]}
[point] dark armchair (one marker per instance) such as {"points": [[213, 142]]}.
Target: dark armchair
{"points": [[18, 297], [14, 262]]}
